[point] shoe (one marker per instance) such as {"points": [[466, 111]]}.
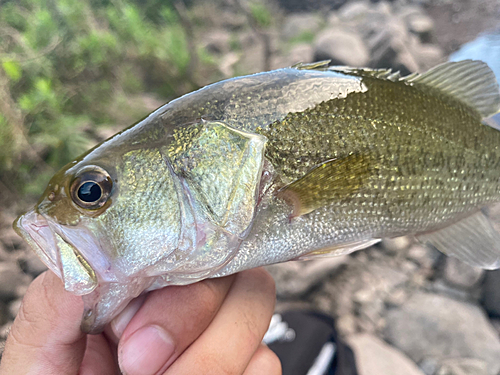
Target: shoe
{"points": [[307, 344]]}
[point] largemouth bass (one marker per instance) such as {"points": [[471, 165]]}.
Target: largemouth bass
{"points": [[288, 164]]}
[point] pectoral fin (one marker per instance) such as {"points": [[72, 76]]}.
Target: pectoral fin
{"points": [[333, 179], [474, 240]]}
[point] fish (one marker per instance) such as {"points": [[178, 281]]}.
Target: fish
{"points": [[296, 163]]}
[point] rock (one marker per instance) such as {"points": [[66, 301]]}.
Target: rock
{"points": [[355, 11], [299, 24], [341, 47], [421, 25], [460, 274], [396, 244], [294, 279], [31, 264], [302, 52], [424, 256], [491, 292], [14, 307], [226, 64], [428, 56], [11, 240], [217, 41], [4, 330], [359, 285], [496, 323], [375, 357], [390, 48], [433, 326], [463, 366], [4, 315], [11, 277], [346, 324], [309, 5]]}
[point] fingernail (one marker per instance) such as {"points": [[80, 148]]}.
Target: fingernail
{"points": [[121, 322], [146, 351]]}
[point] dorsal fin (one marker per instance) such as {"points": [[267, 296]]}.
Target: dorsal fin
{"points": [[469, 81], [386, 74], [319, 65]]}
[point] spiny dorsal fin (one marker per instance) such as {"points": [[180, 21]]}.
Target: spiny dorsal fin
{"points": [[333, 179], [470, 81], [319, 65], [386, 74]]}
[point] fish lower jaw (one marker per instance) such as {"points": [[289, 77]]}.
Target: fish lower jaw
{"points": [[35, 230]]}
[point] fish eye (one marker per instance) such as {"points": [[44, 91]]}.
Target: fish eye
{"points": [[91, 188]]}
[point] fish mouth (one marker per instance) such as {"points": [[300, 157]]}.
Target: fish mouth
{"points": [[51, 245], [35, 230]]}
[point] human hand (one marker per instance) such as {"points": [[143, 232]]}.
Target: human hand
{"points": [[211, 327]]}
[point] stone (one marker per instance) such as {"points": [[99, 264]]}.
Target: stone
{"points": [[496, 323], [390, 48], [463, 366], [294, 279], [302, 52], [31, 264], [217, 41], [421, 25], [491, 292], [14, 307], [4, 315], [342, 47], [346, 324], [375, 357], [424, 256], [355, 11], [434, 326], [428, 56], [299, 24], [4, 330], [11, 277], [299, 53], [461, 274], [396, 244]]}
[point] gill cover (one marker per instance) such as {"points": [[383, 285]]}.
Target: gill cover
{"points": [[222, 167]]}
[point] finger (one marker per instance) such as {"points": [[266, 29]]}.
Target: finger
{"points": [[264, 361], [45, 337], [98, 358], [229, 343], [169, 320]]}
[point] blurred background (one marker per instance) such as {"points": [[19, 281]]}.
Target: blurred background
{"points": [[74, 72]]}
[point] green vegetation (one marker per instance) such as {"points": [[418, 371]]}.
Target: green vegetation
{"points": [[69, 68]]}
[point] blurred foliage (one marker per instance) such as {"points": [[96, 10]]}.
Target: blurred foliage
{"points": [[68, 67], [261, 13]]}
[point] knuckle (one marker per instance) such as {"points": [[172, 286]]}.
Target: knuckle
{"points": [[209, 296]]}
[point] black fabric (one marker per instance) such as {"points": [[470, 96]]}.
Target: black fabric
{"points": [[312, 331]]}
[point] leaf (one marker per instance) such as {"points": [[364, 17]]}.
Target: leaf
{"points": [[12, 69]]}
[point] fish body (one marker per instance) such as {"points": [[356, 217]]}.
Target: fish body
{"points": [[288, 164]]}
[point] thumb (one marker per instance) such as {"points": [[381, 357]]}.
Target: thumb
{"points": [[45, 337]]}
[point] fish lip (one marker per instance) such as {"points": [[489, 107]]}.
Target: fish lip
{"points": [[36, 231], [40, 233]]}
